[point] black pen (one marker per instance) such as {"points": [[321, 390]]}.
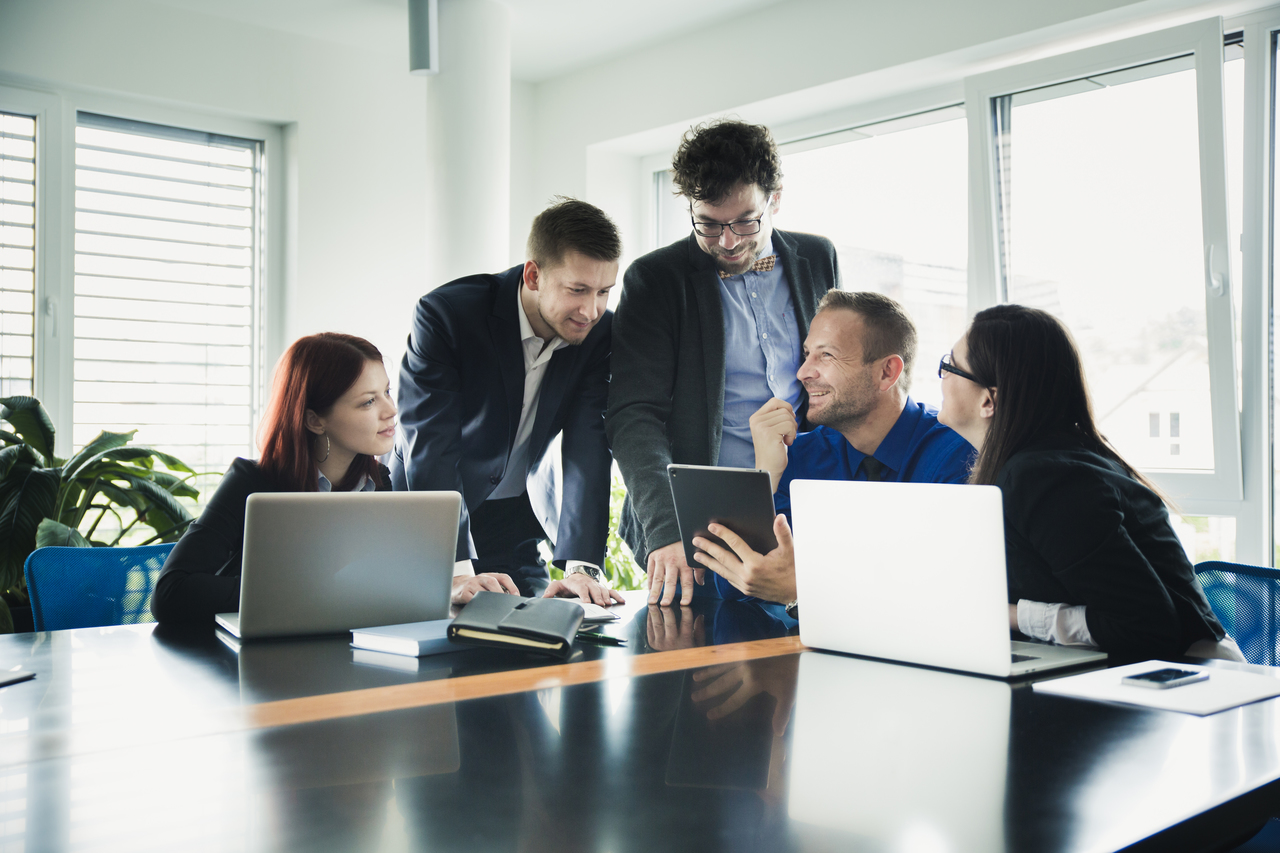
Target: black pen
{"points": [[602, 639]]}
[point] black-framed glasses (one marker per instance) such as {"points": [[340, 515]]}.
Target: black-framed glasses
{"points": [[944, 363], [743, 227]]}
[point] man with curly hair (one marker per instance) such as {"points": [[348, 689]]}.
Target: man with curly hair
{"points": [[708, 329]]}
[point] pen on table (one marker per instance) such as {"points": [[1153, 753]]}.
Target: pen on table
{"points": [[602, 639]]}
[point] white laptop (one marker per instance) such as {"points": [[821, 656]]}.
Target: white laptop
{"points": [[324, 563], [911, 572]]}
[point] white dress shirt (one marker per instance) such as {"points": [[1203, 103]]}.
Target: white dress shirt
{"points": [[537, 355], [1065, 625]]}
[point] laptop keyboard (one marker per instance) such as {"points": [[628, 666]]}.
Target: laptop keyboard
{"points": [[1017, 658]]}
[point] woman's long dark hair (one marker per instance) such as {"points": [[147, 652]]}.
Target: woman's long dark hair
{"points": [[1028, 357], [312, 374]]}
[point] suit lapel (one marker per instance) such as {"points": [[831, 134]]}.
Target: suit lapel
{"points": [[799, 280], [705, 284], [504, 326], [551, 395]]}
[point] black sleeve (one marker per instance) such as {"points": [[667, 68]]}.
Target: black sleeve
{"points": [[201, 578], [640, 401], [1073, 518]]}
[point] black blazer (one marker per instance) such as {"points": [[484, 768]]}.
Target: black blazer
{"points": [[460, 396], [201, 577], [1080, 530], [666, 399]]}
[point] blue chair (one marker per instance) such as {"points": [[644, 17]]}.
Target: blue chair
{"points": [[92, 587], [1246, 600]]}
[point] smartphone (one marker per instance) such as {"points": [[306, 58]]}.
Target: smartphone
{"points": [[1162, 679]]}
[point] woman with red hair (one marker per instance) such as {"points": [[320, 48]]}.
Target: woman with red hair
{"points": [[330, 416]]}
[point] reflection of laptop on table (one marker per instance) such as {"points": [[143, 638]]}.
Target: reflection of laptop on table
{"points": [[321, 563], [911, 572]]}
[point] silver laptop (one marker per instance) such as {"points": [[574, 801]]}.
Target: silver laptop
{"points": [[911, 572], [324, 563]]}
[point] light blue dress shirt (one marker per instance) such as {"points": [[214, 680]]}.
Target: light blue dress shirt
{"points": [[761, 354]]}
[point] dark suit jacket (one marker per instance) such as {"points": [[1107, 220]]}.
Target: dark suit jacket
{"points": [[1080, 530], [666, 398], [461, 391], [201, 577]]}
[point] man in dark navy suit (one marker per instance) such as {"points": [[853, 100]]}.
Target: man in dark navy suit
{"points": [[496, 368]]}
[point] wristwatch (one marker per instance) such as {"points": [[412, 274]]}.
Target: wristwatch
{"points": [[793, 609], [577, 567]]}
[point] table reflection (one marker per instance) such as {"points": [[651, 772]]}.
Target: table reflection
{"points": [[897, 757]]}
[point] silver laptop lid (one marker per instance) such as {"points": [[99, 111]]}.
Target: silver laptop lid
{"points": [[323, 562], [904, 571]]}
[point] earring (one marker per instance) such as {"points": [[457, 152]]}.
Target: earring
{"points": [[327, 448]]}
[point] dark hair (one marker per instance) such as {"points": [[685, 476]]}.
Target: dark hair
{"points": [[714, 158], [1029, 358], [312, 374], [889, 330], [570, 225]]}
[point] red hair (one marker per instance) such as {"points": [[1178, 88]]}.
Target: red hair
{"points": [[312, 374]]}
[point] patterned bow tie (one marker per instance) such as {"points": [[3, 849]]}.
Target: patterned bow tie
{"points": [[762, 265]]}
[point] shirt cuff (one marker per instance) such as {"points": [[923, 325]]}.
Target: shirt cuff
{"points": [[1063, 624], [569, 564], [463, 568]]}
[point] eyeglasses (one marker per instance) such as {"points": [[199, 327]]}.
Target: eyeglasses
{"points": [[945, 364], [743, 227]]}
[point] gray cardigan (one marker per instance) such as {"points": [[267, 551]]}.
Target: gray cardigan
{"points": [[666, 396]]}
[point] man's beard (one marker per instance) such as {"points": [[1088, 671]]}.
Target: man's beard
{"points": [[848, 409], [749, 252]]}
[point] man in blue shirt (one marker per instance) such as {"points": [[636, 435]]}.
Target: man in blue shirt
{"points": [[856, 369]]}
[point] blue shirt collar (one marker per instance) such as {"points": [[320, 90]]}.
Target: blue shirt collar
{"points": [[892, 451]]}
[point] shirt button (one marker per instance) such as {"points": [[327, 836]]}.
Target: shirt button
{"points": [[495, 479], [765, 336], [753, 296]]}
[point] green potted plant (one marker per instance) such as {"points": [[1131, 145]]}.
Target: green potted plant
{"points": [[46, 500]]}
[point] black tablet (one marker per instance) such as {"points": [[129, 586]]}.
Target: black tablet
{"points": [[738, 498]]}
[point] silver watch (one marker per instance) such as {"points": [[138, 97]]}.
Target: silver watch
{"points": [[592, 572]]}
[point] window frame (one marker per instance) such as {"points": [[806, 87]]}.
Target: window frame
{"points": [[1203, 40], [55, 231]]}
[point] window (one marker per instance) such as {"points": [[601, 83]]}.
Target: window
{"points": [[1108, 203], [17, 254], [168, 296], [893, 201]]}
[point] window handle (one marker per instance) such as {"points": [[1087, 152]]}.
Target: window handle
{"points": [[51, 316], [1217, 280]]}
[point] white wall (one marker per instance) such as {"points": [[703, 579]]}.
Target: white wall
{"points": [[354, 124]]}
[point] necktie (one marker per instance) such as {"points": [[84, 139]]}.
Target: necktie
{"points": [[874, 468], [761, 265]]}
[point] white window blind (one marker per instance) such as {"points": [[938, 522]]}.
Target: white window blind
{"points": [[17, 253], [168, 289]]}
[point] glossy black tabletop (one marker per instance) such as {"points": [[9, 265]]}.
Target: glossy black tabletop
{"points": [[137, 738]]}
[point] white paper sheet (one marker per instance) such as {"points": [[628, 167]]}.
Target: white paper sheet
{"points": [[1225, 688]]}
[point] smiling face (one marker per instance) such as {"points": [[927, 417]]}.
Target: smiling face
{"points": [[734, 253], [568, 299], [843, 390], [363, 420]]}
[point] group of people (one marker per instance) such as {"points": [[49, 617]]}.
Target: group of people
{"points": [[734, 347]]}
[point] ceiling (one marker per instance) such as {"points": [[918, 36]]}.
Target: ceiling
{"points": [[548, 37]]}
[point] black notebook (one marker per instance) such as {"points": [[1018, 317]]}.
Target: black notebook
{"points": [[543, 625]]}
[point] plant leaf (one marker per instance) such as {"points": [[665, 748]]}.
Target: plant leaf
{"points": [[16, 454], [27, 496], [6, 618], [29, 420], [9, 438], [176, 486], [160, 500], [123, 497], [96, 449], [51, 533], [173, 463]]}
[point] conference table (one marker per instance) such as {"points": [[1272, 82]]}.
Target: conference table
{"points": [[713, 728]]}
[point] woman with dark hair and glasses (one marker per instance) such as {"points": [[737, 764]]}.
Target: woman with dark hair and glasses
{"points": [[1091, 555], [330, 416]]}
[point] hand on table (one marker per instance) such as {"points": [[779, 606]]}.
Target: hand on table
{"points": [[771, 576], [669, 629], [773, 428], [465, 587], [583, 587], [666, 568]]}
